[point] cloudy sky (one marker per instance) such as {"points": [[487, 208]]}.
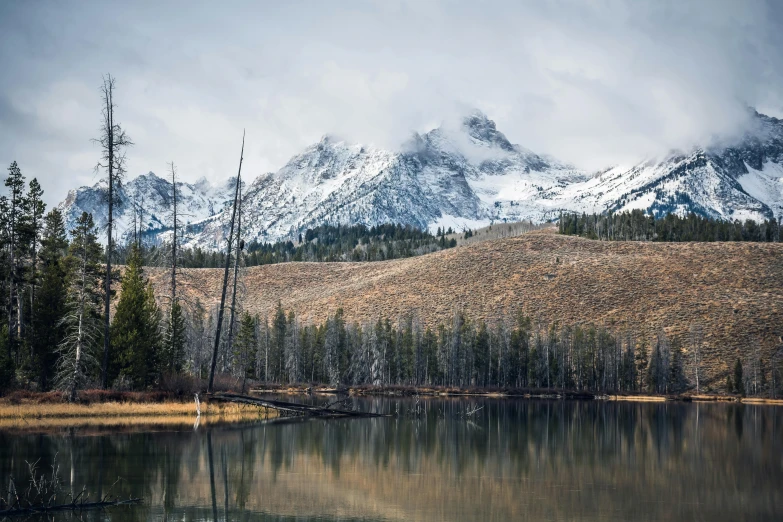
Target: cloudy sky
{"points": [[590, 82]]}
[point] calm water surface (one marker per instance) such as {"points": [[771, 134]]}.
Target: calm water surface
{"points": [[488, 460]]}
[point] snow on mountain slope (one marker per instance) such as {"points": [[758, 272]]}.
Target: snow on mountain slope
{"points": [[462, 177], [150, 196], [741, 180], [765, 185]]}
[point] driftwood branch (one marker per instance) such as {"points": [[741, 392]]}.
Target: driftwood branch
{"points": [[73, 506], [44, 493], [292, 408]]}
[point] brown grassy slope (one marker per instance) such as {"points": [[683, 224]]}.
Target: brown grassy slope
{"points": [[734, 289]]}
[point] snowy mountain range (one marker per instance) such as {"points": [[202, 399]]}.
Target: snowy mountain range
{"points": [[464, 177]]}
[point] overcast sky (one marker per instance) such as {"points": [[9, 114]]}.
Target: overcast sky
{"points": [[592, 83]]}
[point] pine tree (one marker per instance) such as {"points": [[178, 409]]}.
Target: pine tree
{"points": [[676, 376], [641, 364], [50, 300], [34, 209], [245, 347], [81, 322], [653, 375], [6, 362], [277, 348], [739, 385], [135, 328], [14, 218], [173, 350]]}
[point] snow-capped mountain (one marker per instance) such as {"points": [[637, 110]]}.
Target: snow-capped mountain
{"points": [[462, 177], [740, 180], [147, 200]]}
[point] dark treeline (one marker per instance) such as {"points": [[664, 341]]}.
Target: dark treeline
{"points": [[51, 334], [350, 243], [323, 243], [517, 353], [638, 226]]}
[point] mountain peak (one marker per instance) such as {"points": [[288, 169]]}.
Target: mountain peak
{"points": [[463, 173], [482, 129], [202, 184]]}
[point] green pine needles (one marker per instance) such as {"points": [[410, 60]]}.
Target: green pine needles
{"points": [[136, 328]]}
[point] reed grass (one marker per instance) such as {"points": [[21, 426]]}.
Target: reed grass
{"points": [[28, 414]]}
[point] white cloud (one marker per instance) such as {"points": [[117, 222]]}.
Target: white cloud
{"points": [[591, 83]]}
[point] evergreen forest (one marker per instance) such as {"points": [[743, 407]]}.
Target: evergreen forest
{"points": [[638, 226]]}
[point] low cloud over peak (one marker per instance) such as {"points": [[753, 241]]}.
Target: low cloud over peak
{"points": [[592, 83]]}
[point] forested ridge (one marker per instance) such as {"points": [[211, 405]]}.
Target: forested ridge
{"points": [[638, 226], [326, 243]]}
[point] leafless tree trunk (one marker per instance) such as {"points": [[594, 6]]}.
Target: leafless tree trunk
{"points": [[112, 141], [74, 357], [172, 337], [239, 246], [225, 273], [697, 337], [79, 340]]}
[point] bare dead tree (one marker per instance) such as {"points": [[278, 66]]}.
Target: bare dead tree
{"points": [[135, 220], [775, 355], [112, 141], [225, 272], [174, 234], [239, 246], [697, 338], [80, 321], [140, 239]]}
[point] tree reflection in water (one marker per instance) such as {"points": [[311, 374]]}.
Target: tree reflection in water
{"points": [[511, 459]]}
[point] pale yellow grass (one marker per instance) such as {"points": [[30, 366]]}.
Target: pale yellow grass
{"points": [[637, 398], [758, 400], [29, 414]]}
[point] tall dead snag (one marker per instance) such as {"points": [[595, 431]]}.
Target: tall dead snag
{"points": [[174, 236], [225, 272], [174, 352], [239, 246], [112, 141], [697, 338]]}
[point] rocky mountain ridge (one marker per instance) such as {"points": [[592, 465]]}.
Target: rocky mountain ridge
{"points": [[466, 177]]}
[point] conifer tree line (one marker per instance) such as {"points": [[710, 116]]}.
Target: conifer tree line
{"points": [[638, 226], [519, 353], [58, 284], [52, 334], [325, 243]]}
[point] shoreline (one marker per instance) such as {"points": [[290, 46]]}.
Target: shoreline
{"points": [[502, 393], [41, 411]]}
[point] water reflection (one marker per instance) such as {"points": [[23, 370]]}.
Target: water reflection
{"points": [[509, 460]]}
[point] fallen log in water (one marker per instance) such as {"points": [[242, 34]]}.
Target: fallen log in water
{"points": [[293, 408], [73, 506]]}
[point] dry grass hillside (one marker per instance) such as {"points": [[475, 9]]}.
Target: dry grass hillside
{"points": [[735, 290]]}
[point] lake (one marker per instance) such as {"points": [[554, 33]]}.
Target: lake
{"points": [[437, 459]]}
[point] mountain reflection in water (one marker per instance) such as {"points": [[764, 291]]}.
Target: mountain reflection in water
{"points": [[509, 460]]}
